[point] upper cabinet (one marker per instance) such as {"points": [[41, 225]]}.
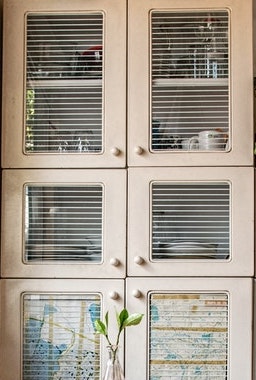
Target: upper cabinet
{"points": [[190, 66], [64, 84]]}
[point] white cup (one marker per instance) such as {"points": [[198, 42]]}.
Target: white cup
{"points": [[190, 143], [211, 140]]}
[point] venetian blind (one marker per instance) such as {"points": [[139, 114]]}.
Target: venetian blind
{"points": [[63, 223], [59, 339], [190, 220], [188, 335], [189, 75], [64, 92]]}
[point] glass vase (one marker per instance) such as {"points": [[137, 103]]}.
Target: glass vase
{"points": [[113, 370]]}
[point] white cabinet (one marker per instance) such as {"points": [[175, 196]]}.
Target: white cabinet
{"points": [[68, 223], [191, 222], [47, 327], [192, 328], [195, 94], [64, 84]]}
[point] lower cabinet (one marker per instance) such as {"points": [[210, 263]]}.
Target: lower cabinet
{"points": [[192, 328]]}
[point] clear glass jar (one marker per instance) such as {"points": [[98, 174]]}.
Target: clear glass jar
{"points": [[114, 370]]}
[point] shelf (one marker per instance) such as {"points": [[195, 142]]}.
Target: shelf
{"points": [[163, 82], [46, 83]]}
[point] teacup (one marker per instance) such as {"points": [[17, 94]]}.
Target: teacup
{"points": [[190, 143], [211, 140]]}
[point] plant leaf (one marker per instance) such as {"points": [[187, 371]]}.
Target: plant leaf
{"points": [[100, 327], [106, 319], [133, 319], [121, 318]]}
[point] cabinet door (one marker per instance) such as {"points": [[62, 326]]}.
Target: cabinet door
{"points": [[191, 221], [68, 223], [193, 328], [190, 66], [48, 330], [64, 84]]}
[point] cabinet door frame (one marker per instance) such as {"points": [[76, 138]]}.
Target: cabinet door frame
{"points": [[113, 263], [240, 87], [241, 261], [114, 85], [239, 291], [11, 306]]}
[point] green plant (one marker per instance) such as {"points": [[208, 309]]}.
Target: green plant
{"points": [[124, 319]]}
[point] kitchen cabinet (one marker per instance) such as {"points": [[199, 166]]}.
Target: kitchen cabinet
{"points": [[191, 221], [195, 94], [64, 84], [48, 327], [60, 223], [192, 328]]}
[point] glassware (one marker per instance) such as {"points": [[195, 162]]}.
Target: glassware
{"points": [[113, 370]]}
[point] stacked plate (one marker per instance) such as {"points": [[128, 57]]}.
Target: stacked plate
{"points": [[187, 249]]}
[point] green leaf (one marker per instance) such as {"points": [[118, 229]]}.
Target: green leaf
{"points": [[106, 319], [100, 327], [121, 318], [133, 319]]}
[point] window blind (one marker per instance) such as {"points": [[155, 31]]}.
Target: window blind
{"points": [[190, 220], [59, 339], [64, 223], [189, 77], [188, 335], [64, 91]]}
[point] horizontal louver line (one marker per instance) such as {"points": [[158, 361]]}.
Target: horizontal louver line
{"points": [[187, 49], [63, 49], [190, 220], [64, 223]]}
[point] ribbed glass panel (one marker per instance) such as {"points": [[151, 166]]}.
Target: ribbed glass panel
{"points": [[63, 223], [190, 220], [188, 336], [64, 94], [59, 340], [190, 90]]}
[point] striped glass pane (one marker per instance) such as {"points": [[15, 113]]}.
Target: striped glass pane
{"points": [[188, 336], [64, 92], [189, 71], [59, 340], [64, 223], [190, 220]]}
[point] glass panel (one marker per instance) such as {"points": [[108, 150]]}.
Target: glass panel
{"points": [[63, 223], [64, 94], [188, 336], [190, 90], [59, 340], [190, 220]]}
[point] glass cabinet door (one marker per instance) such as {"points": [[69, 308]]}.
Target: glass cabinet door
{"points": [[193, 328], [67, 112], [60, 224], [190, 110], [186, 222], [49, 333]]}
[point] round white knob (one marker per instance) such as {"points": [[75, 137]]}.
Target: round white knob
{"points": [[115, 151], [136, 293], [114, 295], [138, 150], [114, 261], [138, 260]]}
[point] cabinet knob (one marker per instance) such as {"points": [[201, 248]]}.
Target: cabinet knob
{"points": [[139, 260], [114, 261], [113, 295], [115, 151], [138, 150], [136, 293]]}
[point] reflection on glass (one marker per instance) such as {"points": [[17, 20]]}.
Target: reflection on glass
{"points": [[63, 223]]}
